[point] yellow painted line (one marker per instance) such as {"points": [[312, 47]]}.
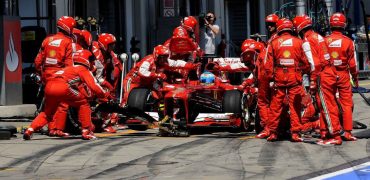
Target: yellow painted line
{"points": [[174, 137], [247, 137], [364, 84], [101, 135], [8, 169]]}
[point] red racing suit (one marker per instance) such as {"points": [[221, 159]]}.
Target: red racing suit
{"points": [[145, 73], [63, 88], [343, 57], [316, 52], [327, 86], [101, 65], [55, 54], [263, 84], [309, 119], [286, 52]]}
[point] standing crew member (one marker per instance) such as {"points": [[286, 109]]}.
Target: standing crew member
{"points": [[286, 52], [263, 85], [343, 57]]}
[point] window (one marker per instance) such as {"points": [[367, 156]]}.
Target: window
{"points": [[179, 8]]}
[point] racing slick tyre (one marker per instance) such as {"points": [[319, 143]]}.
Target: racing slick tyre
{"points": [[138, 99], [231, 102]]}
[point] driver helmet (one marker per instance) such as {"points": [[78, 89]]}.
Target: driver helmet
{"points": [[207, 78]]}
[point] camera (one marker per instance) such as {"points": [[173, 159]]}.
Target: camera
{"points": [[208, 18]]}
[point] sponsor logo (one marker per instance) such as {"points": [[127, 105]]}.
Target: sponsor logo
{"points": [[52, 53], [330, 40], [286, 54], [288, 42], [337, 62], [334, 54], [51, 61], [55, 43], [320, 38], [12, 60], [336, 43], [227, 60], [287, 62]]}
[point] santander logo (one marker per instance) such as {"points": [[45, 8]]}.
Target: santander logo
{"points": [[12, 60]]}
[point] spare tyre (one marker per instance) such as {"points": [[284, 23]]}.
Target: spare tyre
{"points": [[5, 135], [231, 102], [11, 129]]}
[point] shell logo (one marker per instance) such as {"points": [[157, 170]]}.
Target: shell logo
{"points": [[334, 54], [52, 53], [286, 54]]}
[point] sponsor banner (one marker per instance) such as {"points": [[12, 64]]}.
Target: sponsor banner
{"points": [[227, 60], [201, 117], [12, 50]]}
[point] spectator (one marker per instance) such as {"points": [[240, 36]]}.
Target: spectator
{"points": [[208, 35]]}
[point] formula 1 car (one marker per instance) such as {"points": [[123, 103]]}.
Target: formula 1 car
{"points": [[212, 105], [206, 105]]}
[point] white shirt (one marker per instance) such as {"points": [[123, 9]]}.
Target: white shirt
{"points": [[208, 40]]}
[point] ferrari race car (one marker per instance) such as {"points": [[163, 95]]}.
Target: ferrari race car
{"points": [[207, 105]]}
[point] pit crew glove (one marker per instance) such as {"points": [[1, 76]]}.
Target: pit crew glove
{"points": [[161, 76], [355, 81], [106, 84]]}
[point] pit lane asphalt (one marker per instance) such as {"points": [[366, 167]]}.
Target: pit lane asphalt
{"points": [[142, 155]]}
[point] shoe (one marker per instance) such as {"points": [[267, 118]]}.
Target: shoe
{"points": [[27, 135], [323, 134], [332, 141], [262, 135], [52, 133], [272, 137], [347, 136], [121, 127], [60, 133], [110, 129], [296, 138], [88, 135]]}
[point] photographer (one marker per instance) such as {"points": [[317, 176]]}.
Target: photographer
{"points": [[209, 33]]}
